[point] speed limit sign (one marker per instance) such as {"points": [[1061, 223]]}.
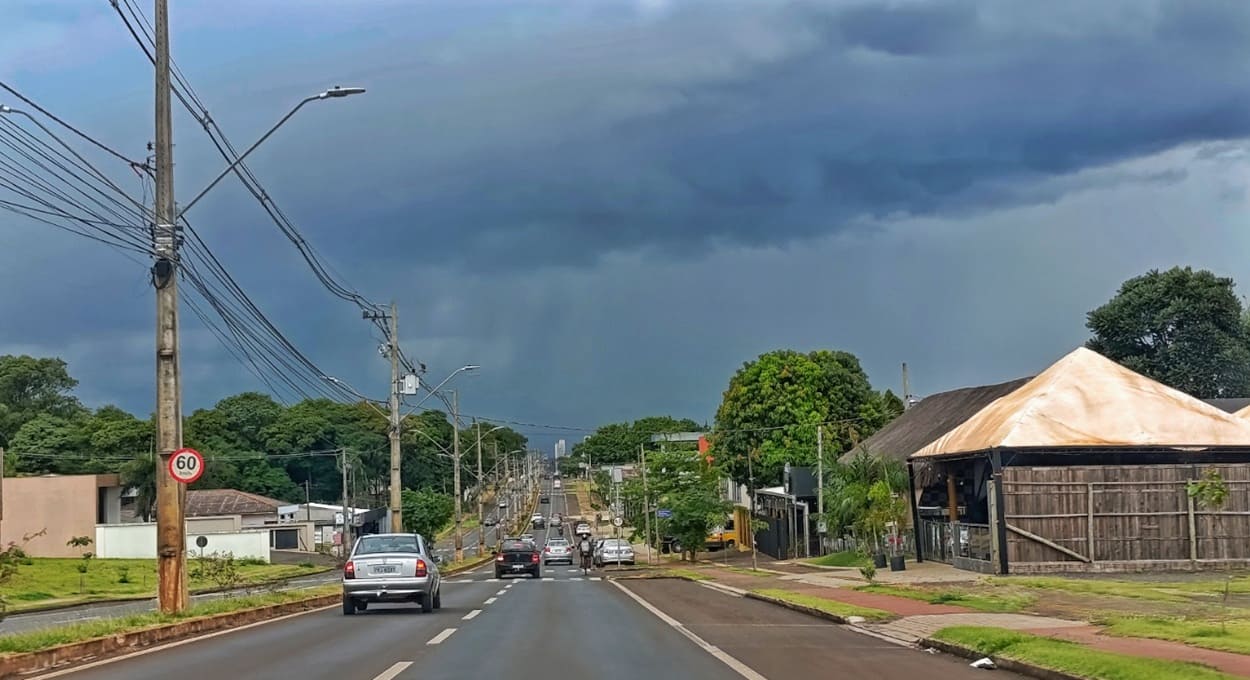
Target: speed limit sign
{"points": [[186, 465]]}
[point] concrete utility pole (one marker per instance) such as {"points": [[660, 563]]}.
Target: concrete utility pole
{"points": [[346, 537], [820, 482], [171, 539], [394, 428], [455, 459], [646, 502], [481, 511]]}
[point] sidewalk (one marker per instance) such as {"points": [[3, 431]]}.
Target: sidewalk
{"points": [[916, 619]]}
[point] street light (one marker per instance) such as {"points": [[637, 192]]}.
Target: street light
{"points": [[434, 391], [333, 93]]}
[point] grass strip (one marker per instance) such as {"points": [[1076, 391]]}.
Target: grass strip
{"points": [[977, 601], [37, 640], [825, 605], [1071, 657], [1230, 636], [848, 558]]}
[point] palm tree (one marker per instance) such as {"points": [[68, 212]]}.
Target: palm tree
{"points": [[140, 475]]}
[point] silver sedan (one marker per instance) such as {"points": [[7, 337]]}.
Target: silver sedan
{"points": [[391, 568]]}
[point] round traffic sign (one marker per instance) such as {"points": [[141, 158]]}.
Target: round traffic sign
{"points": [[186, 465], [617, 521]]}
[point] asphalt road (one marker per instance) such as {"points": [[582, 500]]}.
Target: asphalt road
{"points": [[562, 625]]}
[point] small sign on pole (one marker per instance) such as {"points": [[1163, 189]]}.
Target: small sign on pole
{"points": [[617, 521], [186, 465]]}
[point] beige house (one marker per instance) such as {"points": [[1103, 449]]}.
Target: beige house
{"points": [[252, 509], [63, 506]]}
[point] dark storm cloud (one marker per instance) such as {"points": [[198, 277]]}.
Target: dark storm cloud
{"points": [[758, 124]]}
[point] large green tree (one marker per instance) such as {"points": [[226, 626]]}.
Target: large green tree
{"points": [[31, 387], [619, 442], [426, 512], [1182, 327], [773, 406]]}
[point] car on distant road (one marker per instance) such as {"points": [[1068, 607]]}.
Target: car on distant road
{"points": [[614, 551], [538, 521], [583, 529], [490, 521], [556, 484], [544, 499], [516, 556], [558, 550], [527, 537], [391, 568]]}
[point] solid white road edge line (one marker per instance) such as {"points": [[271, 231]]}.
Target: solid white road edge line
{"points": [[179, 643], [720, 654], [390, 673], [438, 639], [471, 615]]}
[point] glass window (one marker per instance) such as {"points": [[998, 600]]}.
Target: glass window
{"points": [[372, 545]]}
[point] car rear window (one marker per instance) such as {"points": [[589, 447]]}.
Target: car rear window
{"points": [[371, 545], [518, 545]]}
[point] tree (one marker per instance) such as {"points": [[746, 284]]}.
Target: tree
{"points": [[690, 489], [30, 387], [1183, 328], [774, 404], [426, 512], [618, 442]]}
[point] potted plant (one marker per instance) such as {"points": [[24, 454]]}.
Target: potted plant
{"points": [[889, 511]]}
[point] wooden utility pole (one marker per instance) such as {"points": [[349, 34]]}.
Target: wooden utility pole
{"points": [[171, 538], [646, 501], [820, 484], [455, 458], [397, 480]]}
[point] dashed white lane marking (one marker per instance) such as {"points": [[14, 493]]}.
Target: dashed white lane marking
{"points": [[720, 654], [471, 615], [489, 600], [509, 585], [575, 578], [393, 671], [460, 580], [438, 639], [573, 571], [502, 592], [492, 580], [548, 578]]}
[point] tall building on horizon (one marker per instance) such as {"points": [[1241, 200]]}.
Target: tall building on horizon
{"points": [[560, 449]]}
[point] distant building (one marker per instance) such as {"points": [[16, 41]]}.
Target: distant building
{"points": [[62, 506], [560, 449]]}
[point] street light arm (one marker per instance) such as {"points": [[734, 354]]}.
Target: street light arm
{"points": [[435, 391], [328, 94]]}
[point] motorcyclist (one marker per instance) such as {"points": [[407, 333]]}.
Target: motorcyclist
{"points": [[586, 549]]}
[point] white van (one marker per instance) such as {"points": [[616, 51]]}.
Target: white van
{"points": [[555, 484]]}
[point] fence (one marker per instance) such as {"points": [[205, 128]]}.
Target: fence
{"points": [[139, 541], [964, 545], [1081, 516]]}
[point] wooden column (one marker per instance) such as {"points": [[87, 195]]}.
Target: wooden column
{"points": [[952, 497]]}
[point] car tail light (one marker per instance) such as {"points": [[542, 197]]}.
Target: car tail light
{"points": [[422, 570], [547, 549], [534, 557], [349, 570]]}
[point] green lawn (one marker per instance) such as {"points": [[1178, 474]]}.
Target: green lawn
{"points": [[34, 641], [979, 601], [1233, 636], [687, 573], [825, 605], [1186, 591], [850, 558], [1073, 658], [56, 581]]}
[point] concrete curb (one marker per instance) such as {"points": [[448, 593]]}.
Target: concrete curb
{"points": [[113, 645], [1006, 664], [811, 611]]}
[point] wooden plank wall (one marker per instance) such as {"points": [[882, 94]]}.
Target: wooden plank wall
{"points": [[1140, 512]]}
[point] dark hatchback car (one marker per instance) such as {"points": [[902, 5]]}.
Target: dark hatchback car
{"points": [[516, 556]]}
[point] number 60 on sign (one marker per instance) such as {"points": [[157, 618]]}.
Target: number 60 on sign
{"points": [[186, 465]]}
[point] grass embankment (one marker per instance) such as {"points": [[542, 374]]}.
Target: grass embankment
{"points": [[1230, 636], [466, 524], [1160, 591], [1071, 657], [825, 605], [51, 581], [850, 558], [985, 602], [37, 640], [686, 573]]}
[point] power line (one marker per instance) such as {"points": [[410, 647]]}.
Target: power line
{"points": [[101, 145]]}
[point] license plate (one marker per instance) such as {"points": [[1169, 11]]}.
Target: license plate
{"points": [[518, 567], [386, 570]]}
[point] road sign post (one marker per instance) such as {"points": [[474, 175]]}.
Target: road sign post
{"points": [[186, 465]]}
